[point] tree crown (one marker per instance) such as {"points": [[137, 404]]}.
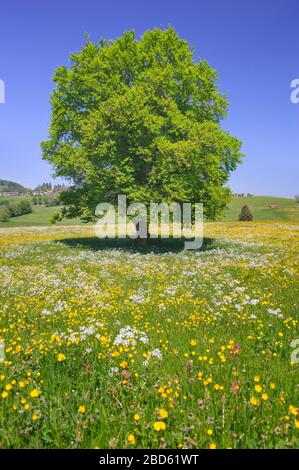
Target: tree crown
{"points": [[140, 118]]}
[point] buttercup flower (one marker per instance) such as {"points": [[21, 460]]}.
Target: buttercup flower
{"points": [[131, 439]]}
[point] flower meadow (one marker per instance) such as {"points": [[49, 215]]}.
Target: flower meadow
{"points": [[110, 347]]}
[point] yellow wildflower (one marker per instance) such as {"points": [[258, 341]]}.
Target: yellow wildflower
{"points": [[163, 413], [159, 426], [131, 439], [254, 401], [293, 410]]}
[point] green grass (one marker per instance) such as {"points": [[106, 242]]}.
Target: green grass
{"points": [[40, 215], [288, 209]]}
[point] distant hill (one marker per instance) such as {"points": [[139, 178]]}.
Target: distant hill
{"points": [[264, 208], [11, 186]]}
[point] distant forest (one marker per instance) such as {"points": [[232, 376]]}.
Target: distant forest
{"points": [[11, 186]]}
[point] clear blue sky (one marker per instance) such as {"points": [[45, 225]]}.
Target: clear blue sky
{"points": [[252, 43]]}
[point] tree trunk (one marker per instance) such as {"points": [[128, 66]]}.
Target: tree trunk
{"points": [[142, 242]]}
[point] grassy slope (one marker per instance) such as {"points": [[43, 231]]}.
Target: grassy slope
{"points": [[288, 210], [41, 215]]}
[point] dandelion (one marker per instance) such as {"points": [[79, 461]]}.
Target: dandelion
{"points": [[123, 364], [213, 445], [4, 394], [258, 388], [265, 396], [159, 426], [81, 409], [61, 357], [34, 393], [35, 417], [136, 417], [163, 413], [210, 432]]}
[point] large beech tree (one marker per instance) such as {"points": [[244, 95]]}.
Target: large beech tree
{"points": [[140, 118]]}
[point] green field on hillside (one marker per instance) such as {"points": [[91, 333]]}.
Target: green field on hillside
{"points": [[40, 215], [287, 210]]}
